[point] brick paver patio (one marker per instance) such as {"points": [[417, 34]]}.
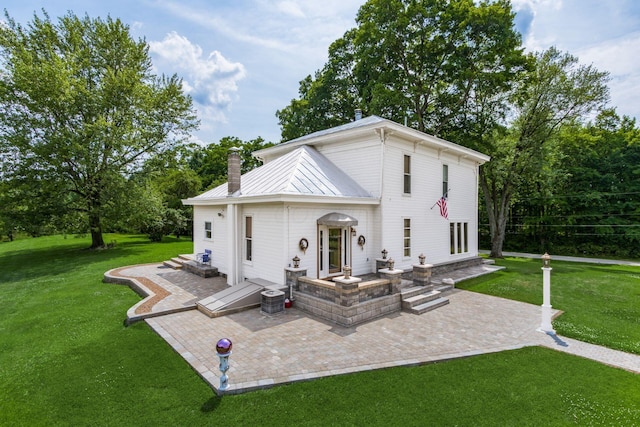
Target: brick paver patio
{"points": [[294, 346]]}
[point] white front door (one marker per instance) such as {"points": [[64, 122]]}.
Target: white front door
{"points": [[333, 250]]}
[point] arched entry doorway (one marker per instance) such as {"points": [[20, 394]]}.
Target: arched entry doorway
{"points": [[334, 243]]}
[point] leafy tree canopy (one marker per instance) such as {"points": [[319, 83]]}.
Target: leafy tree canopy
{"points": [[442, 66], [83, 109]]}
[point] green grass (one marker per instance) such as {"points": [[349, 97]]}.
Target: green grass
{"points": [[601, 303], [66, 358]]}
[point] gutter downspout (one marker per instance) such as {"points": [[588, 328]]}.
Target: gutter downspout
{"points": [[383, 140]]}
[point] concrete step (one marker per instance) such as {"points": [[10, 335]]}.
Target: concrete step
{"points": [[414, 301], [443, 288], [174, 265], [431, 305], [178, 260], [412, 291], [187, 257]]}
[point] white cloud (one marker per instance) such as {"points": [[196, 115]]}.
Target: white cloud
{"points": [[290, 8], [211, 81], [618, 57], [605, 34]]}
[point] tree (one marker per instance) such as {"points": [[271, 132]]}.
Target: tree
{"points": [[443, 66], [210, 162], [592, 206], [82, 109], [558, 91]]}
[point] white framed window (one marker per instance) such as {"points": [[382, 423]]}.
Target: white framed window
{"points": [[407, 174], [208, 230], [407, 237], [445, 180], [459, 237], [248, 238]]}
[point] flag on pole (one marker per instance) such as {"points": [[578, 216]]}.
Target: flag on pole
{"points": [[442, 204]]}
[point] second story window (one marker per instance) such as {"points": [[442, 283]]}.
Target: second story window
{"points": [[407, 174], [445, 181]]}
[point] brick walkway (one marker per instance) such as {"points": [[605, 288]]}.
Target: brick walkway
{"points": [[294, 346]]}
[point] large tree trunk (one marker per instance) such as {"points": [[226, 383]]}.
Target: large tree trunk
{"points": [[95, 224], [96, 231], [497, 205]]}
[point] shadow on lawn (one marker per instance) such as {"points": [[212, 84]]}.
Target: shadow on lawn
{"points": [[211, 404]]}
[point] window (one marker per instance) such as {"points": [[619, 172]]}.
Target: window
{"points": [[248, 238], [452, 237], [407, 237], [407, 174], [445, 180], [321, 251], [459, 237], [465, 232], [208, 230]]}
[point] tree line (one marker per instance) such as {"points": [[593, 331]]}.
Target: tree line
{"points": [[91, 140]]}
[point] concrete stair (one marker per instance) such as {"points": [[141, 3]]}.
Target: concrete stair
{"points": [[177, 262], [418, 300]]}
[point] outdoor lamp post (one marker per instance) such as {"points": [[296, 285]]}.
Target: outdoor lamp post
{"points": [[223, 348], [545, 325]]}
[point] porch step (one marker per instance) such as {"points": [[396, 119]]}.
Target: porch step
{"points": [[431, 305], [186, 257], [173, 264], [412, 291], [418, 299]]}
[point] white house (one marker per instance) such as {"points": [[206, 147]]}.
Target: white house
{"points": [[339, 197]]}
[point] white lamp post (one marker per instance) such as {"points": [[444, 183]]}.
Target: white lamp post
{"points": [[545, 325]]}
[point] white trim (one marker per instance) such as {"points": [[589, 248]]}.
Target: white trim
{"points": [[389, 126], [282, 198]]}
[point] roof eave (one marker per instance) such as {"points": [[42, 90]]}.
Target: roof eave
{"points": [[282, 198]]}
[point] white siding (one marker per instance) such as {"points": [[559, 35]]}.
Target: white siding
{"points": [[268, 241], [218, 243], [429, 231], [303, 224], [361, 160]]}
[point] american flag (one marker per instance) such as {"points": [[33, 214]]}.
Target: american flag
{"points": [[442, 204]]}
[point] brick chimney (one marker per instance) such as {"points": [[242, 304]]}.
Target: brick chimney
{"points": [[233, 172]]}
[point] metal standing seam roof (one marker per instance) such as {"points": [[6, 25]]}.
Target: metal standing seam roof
{"points": [[303, 171]]}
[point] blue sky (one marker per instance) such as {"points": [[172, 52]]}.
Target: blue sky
{"points": [[241, 60]]}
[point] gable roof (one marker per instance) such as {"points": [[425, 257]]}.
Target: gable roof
{"points": [[303, 173]]}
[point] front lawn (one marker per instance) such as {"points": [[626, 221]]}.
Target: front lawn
{"points": [[66, 358]]}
